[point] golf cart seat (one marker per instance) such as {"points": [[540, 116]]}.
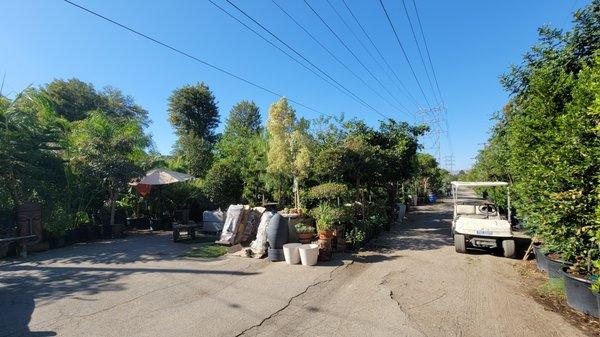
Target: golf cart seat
{"points": [[465, 209]]}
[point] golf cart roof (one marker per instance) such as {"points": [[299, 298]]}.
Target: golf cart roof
{"points": [[478, 183]]}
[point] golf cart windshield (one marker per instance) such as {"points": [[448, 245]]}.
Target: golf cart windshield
{"points": [[472, 210]]}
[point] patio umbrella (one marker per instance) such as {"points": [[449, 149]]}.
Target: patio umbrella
{"points": [[163, 177], [159, 177]]}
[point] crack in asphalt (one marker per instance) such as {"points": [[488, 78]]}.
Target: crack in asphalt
{"points": [[294, 297], [130, 300], [405, 311]]}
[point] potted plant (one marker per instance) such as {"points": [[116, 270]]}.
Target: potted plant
{"points": [[326, 217], [596, 290], [355, 238], [131, 204], [540, 257], [305, 232], [579, 291]]}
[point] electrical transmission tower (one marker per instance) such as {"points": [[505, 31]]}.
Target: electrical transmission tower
{"points": [[450, 163], [434, 119]]}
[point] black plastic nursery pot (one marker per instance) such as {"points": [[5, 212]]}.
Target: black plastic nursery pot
{"points": [[540, 258], [555, 267], [579, 295]]}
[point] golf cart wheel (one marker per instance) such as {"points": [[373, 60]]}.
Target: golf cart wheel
{"points": [[459, 243], [508, 247]]}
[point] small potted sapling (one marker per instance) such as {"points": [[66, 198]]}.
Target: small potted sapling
{"points": [[326, 217], [305, 232]]}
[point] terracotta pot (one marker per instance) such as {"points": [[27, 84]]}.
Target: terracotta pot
{"points": [[324, 249], [305, 237], [328, 234]]}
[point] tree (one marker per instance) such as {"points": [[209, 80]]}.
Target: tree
{"points": [[223, 184], [243, 120], [30, 147], [108, 152], [74, 100], [289, 154], [194, 114], [195, 153], [547, 140], [115, 104], [193, 110]]}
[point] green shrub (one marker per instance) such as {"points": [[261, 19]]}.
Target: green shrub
{"points": [[356, 237], [328, 191], [326, 217]]}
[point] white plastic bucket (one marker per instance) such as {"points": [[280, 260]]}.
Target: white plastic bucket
{"points": [[309, 254], [291, 253]]}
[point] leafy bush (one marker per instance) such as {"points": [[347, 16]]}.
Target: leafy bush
{"points": [[547, 141], [356, 236], [223, 185], [326, 217], [328, 191]]}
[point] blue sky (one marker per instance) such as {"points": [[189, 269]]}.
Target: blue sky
{"points": [[471, 44]]}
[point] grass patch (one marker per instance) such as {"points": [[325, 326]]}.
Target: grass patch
{"points": [[554, 287], [208, 251], [200, 238]]}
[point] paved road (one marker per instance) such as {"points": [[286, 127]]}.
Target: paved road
{"points": [[411, 283]]}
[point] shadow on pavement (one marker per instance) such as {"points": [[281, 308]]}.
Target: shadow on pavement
{"points": [[23, 283], [138, 247]]}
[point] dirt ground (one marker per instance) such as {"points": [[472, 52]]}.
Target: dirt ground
{"points": [[532, 280], [410, 282]]}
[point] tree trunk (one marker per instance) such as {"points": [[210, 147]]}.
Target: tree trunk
{"points": [[392, 190], [113, 204]]}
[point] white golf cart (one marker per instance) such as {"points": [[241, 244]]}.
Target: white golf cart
{"points": [[478, 224]]}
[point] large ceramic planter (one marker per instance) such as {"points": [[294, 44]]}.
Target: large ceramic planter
{"points": [[579, 295], [277, 236], [540, 258], [291, 253], [309, 254], [555, 267]]}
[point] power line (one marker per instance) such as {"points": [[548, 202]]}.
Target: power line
{"points": [[337, 13], [276, 46], [302, 56], [427, 50], [404, 52], [190, 56], [381, 55], [434, 74], [347, 48], [412, 29], [330, 52]]}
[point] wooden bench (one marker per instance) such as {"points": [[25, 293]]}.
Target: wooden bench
{"points": [[190, 228], [22, 240]]}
